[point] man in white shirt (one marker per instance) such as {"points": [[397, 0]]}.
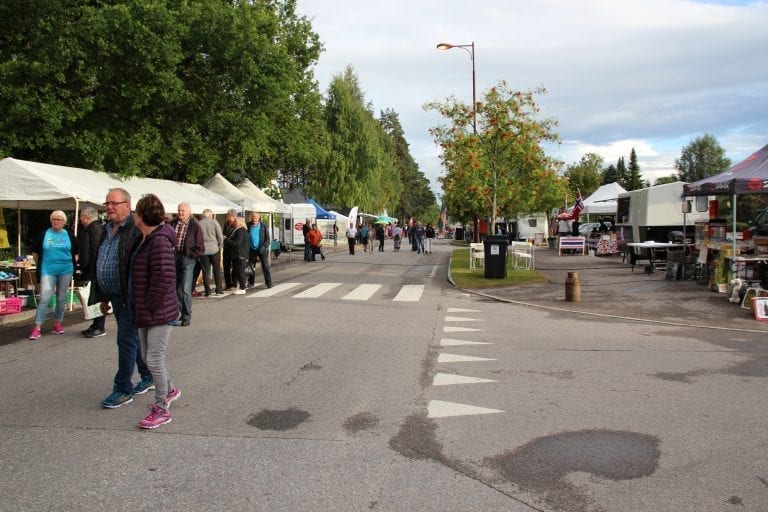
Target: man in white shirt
{"points": [[352, 237]]}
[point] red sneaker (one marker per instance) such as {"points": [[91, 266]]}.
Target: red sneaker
{"points": [[58, 328]]}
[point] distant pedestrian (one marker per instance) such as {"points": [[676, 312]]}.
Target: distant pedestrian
{"points": [[210, 261], [259, 249], [429, 237], [88, 241], [380, 234], [154, 302], [189, 247], [352, 237], [307, 246], [236, 249], [315, 238]]}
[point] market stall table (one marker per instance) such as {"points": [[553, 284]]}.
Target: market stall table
{"points": [[651, 247]]}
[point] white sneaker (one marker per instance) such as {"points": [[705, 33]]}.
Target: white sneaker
{"points": [[238, 292]]}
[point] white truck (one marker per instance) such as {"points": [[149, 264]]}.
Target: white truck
{"points": [[293, 223]]}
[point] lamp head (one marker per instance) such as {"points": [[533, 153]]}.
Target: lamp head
{"points": [[444, 46]]}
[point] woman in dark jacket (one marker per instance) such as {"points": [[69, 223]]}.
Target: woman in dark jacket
{"points": [[153, 301]]}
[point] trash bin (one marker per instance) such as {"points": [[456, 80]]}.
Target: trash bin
{"points": [[495, 257], [459, 233]]}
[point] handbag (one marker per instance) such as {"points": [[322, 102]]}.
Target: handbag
{"points": [[92, 311], [249, 270]]}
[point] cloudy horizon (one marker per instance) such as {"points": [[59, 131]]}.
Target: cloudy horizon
{"points": [[652, 75]]}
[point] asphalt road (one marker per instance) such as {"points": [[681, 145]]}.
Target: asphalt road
{"points": [[368, 382]]}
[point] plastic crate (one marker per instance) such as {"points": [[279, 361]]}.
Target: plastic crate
{"points": [[10, 305]]}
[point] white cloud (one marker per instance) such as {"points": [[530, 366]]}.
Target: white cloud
{"points": [[648, 74]]}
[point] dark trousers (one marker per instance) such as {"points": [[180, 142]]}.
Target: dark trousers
{"points": [[211, 263], [261, 255], [235, 270], [128, 352], [351, 242]]}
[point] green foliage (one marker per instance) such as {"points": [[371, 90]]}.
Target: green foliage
{"points": [[610, 175], [175, 90], [667, 179], [501, 170], [585, 176], [702, 158], [634, 179]]}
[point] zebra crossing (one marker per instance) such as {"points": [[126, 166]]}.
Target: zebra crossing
{"points": [[333, 290]]}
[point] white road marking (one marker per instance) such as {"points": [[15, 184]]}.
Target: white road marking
{"points": [[409, 293], [447, 379], [362, 292], [449, 342], [440, 409], [316, 291], [269, 292], [434, 271], [461, 310], [450, 328], [462, 319], [456, 358]]}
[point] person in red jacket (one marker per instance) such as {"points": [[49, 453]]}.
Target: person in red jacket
{"points": [[153, 301]]}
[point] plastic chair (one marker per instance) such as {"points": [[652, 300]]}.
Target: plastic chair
{"points": [[476, 253]]}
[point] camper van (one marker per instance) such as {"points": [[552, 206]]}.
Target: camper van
{"points": [[293, 223], [527, 226], [651, 214]]}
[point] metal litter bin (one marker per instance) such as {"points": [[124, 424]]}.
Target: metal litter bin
{"points": [[495, 257]]}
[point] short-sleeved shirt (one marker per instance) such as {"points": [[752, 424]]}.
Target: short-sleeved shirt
{"points": [[58, 254]]}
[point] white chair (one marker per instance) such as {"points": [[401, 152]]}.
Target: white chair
{"points": [[523, 253], [476, 253]]}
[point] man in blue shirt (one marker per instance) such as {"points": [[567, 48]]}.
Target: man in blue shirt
{"points": [[259, 249]]}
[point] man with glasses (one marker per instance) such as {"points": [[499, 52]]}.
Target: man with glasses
{"points": [[109, 284]]}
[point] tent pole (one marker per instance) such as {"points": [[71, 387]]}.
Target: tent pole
{"points": [[733, 212], [18, 229]]}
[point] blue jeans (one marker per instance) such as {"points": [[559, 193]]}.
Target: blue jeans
{"points": [[128, 351], [185, 272], [47, 285], [307, 251]]}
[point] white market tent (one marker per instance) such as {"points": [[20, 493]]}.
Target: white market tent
{"points": [[274, 206], [220, 185], [604, 200], [38, 186]]}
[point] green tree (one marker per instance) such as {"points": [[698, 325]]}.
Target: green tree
{"points": [[666, 179], [359, 169], [634, 178], [585, 176], [610, 175], [622, 173], [416, 198], [501, 170], [176, 90], [702, 158]]}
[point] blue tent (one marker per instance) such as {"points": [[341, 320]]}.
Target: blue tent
{"points": [[322, 213]]}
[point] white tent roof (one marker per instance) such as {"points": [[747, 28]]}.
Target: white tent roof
{"points": [[274, 206], [38, 186], [603, 200], [220, 185]]}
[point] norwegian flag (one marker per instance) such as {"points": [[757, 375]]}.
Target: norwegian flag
{"points": [[573, 213], [578, 206]]}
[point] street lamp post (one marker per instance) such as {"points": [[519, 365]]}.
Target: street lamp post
{"points": [[470, 49]]}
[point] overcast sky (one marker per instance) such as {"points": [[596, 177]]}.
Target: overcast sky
{"points": [[648, 74]]}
